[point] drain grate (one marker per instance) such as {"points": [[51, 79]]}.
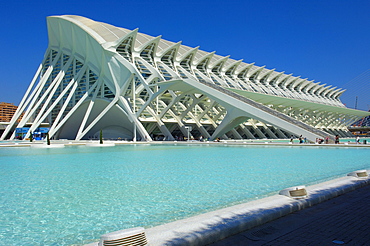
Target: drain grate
{"points": [[258, 235]]}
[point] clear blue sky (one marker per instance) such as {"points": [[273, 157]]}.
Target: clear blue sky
{"points": [[325, 41]]}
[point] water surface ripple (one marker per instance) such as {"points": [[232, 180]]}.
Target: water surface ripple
{"points": [[73, 195]]}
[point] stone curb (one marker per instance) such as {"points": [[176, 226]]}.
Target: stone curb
{"points": [[214, 226]]}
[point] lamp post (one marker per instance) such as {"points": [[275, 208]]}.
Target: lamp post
{"points": [[189, 129]]}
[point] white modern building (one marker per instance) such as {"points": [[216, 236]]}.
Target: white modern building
{"points": [[130, 85]]}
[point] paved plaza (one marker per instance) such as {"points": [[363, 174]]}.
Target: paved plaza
{"points": [[344, 220]]}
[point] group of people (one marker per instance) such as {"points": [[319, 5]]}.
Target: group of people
{"points": [[320, 140], [336, 140], [301, 139]]}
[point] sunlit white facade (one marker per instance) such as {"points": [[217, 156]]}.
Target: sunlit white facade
{"points": [[96, 76]]}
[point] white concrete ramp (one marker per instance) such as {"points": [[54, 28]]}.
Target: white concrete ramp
{"points": [[240, 108]]}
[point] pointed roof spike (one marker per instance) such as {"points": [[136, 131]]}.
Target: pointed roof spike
{"points": [[118, 42], [186, 54], [233, 64], [149, 42], [201, 59], [174, 46]]}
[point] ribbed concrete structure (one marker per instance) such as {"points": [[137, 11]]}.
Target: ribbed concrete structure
{"points": [[133, 86]]}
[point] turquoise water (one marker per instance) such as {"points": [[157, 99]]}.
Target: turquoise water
{"points": [[73, 195]]}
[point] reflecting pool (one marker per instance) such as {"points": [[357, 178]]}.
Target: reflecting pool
{"points": [[72, 195]]}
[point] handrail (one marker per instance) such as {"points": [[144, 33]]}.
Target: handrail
{"points": [[269, 110]]}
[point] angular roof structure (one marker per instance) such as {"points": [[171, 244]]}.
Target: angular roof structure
{"points": [[96, 76]]}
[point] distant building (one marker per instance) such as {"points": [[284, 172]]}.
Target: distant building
{"points": [[363, 122], [7, 110], [95, 76], [361, 127]]}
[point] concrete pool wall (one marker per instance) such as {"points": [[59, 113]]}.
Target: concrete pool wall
{"points": [[213, 226]]}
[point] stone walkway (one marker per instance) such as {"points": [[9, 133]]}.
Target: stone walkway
{"points": [[344, 220]]}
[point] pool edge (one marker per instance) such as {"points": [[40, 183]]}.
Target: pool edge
{"points": [[213, 226], [216, 225]]}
